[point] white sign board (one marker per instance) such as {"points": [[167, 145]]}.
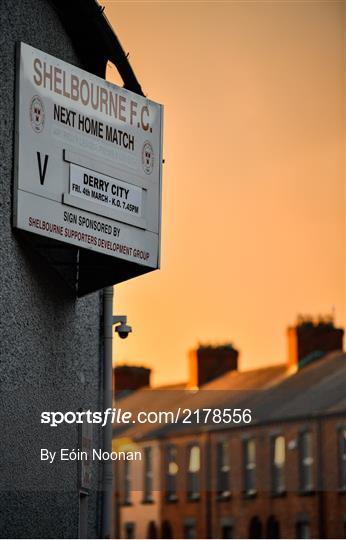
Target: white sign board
{"points": [[88, 160]]}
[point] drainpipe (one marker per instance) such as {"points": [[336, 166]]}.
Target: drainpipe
{"points": [[320, 481], [107, 473], [208, 487]]}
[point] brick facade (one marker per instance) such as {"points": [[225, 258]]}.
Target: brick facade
{"points": [[281, 475], [324, 511], [209, 363]]}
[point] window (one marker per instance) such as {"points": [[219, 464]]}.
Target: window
{"points": [[193, 469], [250, 467], [342, 459], [306, 462], [278, 459], [148, 475], [129, 530], [171, 473], [223, 469], [127, 484], [302, 529]]}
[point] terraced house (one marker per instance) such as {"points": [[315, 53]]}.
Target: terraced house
{"points": [[280, 475]]}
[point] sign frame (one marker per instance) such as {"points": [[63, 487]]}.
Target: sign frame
{"points": [[136, 248]]}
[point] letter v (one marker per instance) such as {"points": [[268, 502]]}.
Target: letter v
{"points": [[42, 173]]}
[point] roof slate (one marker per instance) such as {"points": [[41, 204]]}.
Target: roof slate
{"points": [[273, 394]]}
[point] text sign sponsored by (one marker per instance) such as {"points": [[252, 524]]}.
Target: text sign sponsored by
{"points": [[88, 160]]}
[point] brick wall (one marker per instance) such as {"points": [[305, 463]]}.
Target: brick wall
{"points": [[209, 512], [208, 363], [130, 378], [307, 338]]}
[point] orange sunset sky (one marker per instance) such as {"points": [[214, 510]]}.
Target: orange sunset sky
{"points": [[253, 181]]}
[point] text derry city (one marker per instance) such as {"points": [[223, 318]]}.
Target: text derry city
{"points": [[103, 185]]}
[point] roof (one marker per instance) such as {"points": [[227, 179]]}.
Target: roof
{"points": [[94, 39], [250, 379], [174, 386], [273, 394], [318, 388]]}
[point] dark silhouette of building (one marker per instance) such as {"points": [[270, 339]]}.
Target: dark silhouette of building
{"points": [[310, 340], [130, 378]]}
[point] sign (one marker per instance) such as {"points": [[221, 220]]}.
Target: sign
{"points": [[87, 161], [105, 190]]}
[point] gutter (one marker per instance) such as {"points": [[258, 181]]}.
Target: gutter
{"points": [[320, 482], [107, 470]]}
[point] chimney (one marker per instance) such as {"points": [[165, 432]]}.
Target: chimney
{"points": [[209, 362], [130, 378], [309, 340]]}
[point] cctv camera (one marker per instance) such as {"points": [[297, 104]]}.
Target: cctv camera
{"points": [[123, 330]]}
